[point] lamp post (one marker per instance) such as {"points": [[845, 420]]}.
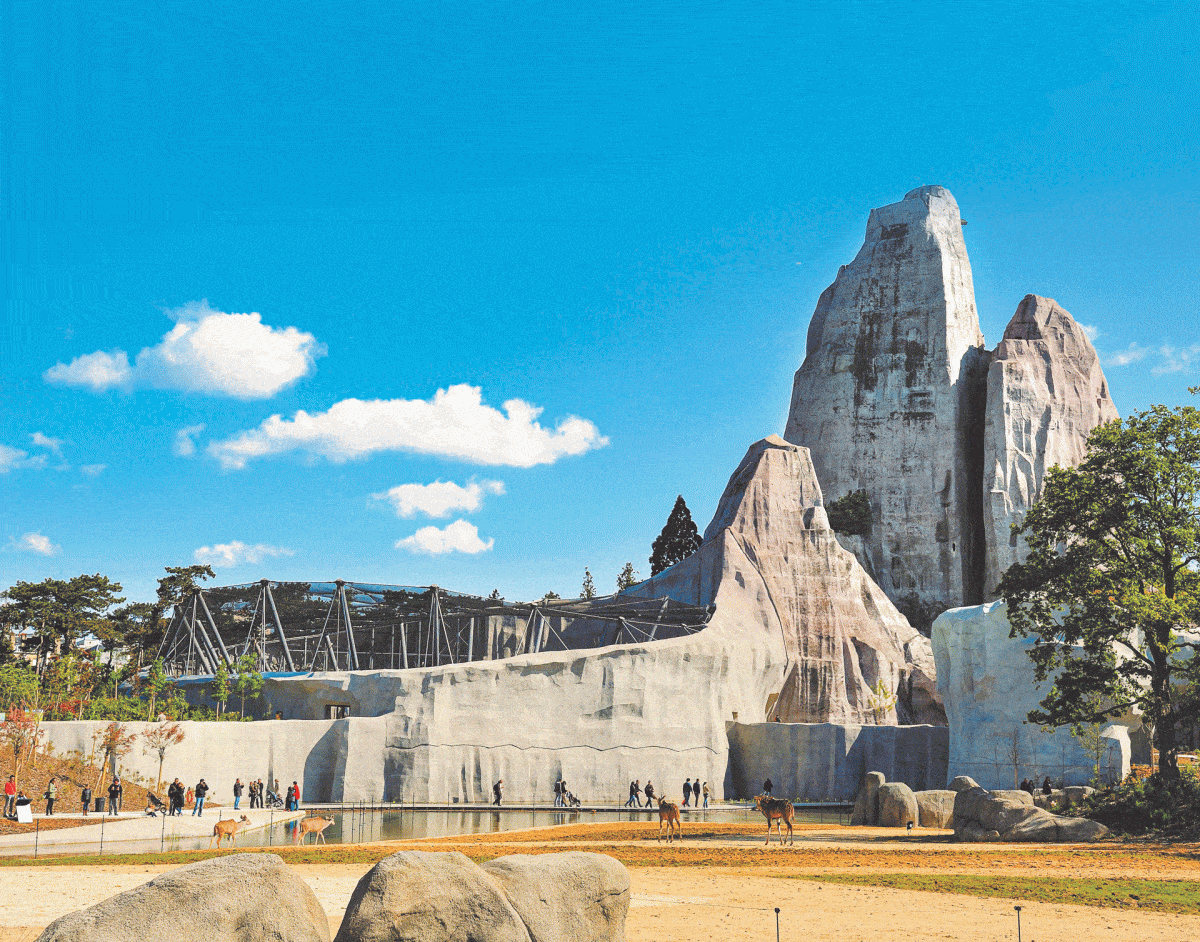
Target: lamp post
{"points": [[776, 924], [1018, 909]]}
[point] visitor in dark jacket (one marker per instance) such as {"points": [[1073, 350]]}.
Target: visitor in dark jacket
{"points": [[201, 792]]}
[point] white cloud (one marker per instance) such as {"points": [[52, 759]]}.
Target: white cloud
{"points": [[98, 371], [1132, 354], [185, 440], [91, 470], [36, 543], [207, 351], [1176, 359], [14, 458], [439, 499], [45, 441], [1091, 331], [458, 537], [225, 555], [453, 424]]}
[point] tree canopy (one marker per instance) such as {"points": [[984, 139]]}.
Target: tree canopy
{"points": [[678, 540], [59, 611], [1110, 589]]}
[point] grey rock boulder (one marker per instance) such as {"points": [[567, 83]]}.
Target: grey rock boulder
{"points": [[1080, 829], [1039, 826], [897, 806], [866, 805], [415, 896], [961, 783], [1074, 794], [572, 897], [936, 807], [238, 898], [1001, 812]]}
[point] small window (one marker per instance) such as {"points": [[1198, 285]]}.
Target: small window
{"points": [[336, 711]]}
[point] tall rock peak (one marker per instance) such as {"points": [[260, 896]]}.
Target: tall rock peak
{"points": [[888, 397], [1045, 394]]}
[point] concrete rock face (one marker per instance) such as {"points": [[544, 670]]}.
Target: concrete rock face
{"points": [[572, 897], [936, 808], [843, 636], [1045, 394], [892, 379], [987, 684], [239, 898], [898, 397]]}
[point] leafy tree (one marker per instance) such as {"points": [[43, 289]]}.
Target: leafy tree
{"points": [[21, 732], [114, 742], [627, 577], [155, 683], [248, 682], [588, 590], [178, 585], [60, 612], [159, 739], [496, 596], [678, 540], [850, 514], [220, 687], [18, 687], [135, 629], [1111, 577]]}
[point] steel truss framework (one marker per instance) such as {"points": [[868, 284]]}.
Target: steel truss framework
{"points": [[318, 626]]}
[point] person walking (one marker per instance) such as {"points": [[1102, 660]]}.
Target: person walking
{"points": [[51, 795], [649, 793], [558, 790], [497, 790], [201, 793], [114, 796], [706, 794], [687, 792], [173, 798], [85, 798], [767, 788], [295, 796], [237, 793], [635, 794], [10, 796]]}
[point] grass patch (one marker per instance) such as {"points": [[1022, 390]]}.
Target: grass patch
{"points": [[1161, 896]]}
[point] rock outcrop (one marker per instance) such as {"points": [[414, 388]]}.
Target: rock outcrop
{"points": [[980, 815], [1045, 394], [898, 397], [897, 806], [572, 897], [892, 380], [987, 684], [936, 807], [894, 805], [238, 898], [844, 639]]}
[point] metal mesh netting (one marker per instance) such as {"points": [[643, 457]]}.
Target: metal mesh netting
{"points": [[307, 626]]}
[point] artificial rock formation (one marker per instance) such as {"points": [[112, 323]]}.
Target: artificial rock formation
{"points": [[843, 636], [898, 397], [1045, 394], [893, 373], [1010, 815]]}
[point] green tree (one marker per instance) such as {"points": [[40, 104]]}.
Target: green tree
{"points": [[136, 629], [678, 540], [627, 577], [59, 612], [1111, 577], [549, 596], [155, 683], [219, 687], [159, 739], [496, 596], [588, 590], [248, 682], [178, 585], [851, 514]]}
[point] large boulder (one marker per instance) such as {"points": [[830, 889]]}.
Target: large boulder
{"points": [[960, 783], [238, 898], [415, 896], [897, 806], [1078, 830], [1003, 812], [936, 807], [980, 815], [866, 805], [573, 897]]}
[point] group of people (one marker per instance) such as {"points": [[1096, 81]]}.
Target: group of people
{"points": [[1029, 785], [693, 793], [14, 796], [562, 796]]}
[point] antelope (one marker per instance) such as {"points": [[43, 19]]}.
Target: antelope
{"points": [[312, 825], [777, 810], [229, 829], [668, 814]]}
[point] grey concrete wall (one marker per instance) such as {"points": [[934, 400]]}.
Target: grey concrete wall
{"points": [[828, 761]]}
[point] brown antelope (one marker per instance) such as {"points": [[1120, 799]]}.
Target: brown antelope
{"points": [[312, 825], [777, 810], [229, 829], [668, 814]]}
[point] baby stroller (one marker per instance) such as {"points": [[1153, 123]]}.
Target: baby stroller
{"points": [[154, 805], [570, 801], [273, 800]]}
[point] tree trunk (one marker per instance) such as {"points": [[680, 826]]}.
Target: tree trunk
{"points": [[1168, 749]]}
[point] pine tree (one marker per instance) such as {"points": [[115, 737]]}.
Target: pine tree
{"points": [[678, 540], [589, 587], [627, 577]]}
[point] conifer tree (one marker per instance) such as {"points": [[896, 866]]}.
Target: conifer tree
{"points": [[588, 591], [678, 540]]}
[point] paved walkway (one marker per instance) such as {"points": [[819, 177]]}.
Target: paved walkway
{"points": [[136, 827]]}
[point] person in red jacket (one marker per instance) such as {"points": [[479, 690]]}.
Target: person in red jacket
{"points": [[10, 796]]}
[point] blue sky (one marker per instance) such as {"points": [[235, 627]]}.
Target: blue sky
{"points": [[403, 217]]}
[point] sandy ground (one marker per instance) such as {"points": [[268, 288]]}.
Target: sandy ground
{"points": [[731, 904]]}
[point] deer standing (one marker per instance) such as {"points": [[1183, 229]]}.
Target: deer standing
{"points": [[668, 813], [229, 829], [312, 825], [777, 810]]}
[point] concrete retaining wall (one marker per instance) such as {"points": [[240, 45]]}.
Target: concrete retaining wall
{"points": [[828, 761]]}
